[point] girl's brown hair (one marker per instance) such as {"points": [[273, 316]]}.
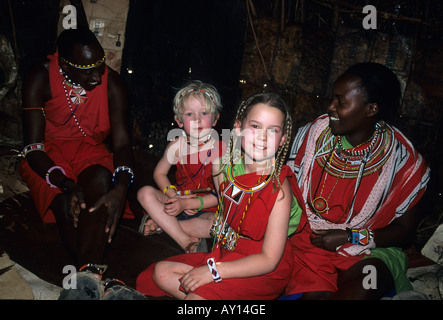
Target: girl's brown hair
{"points": [[272, 100]]}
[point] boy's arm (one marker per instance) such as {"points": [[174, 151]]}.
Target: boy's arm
{"points": [[191, 203], [194, 203], [162, 168]]}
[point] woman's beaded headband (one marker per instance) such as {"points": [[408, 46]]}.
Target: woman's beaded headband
{"points": [[85, 66]]}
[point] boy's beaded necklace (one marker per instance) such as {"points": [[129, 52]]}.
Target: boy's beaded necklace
{"points": [[200, 143], [202, 166]]}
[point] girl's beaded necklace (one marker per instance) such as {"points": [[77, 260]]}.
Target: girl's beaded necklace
{"points": [[221, 229]]}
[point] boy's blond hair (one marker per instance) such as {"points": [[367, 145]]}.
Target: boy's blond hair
{"points": [[202, 91]]}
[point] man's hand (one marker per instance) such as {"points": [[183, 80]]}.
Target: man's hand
{"points": [[114, 201], [76, 201]]}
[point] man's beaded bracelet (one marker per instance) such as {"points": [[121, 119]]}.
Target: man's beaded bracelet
{"points": [[33, 147], [49, 172], [123, 169]]}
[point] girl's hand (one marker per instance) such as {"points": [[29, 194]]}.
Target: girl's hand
{"points": [[195, 278], [329, 239]]}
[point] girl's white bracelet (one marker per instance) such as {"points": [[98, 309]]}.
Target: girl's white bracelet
{"points": [[213, 270]]}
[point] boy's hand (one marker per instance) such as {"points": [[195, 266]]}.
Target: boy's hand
{"points": [[174, 206], [177, 205]]}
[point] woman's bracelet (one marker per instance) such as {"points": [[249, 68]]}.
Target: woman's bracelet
{"points": [[49, 172], [213, 270], [124, 169], [360, 237]]}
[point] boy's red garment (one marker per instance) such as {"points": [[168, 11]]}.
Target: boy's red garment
{"points": [[195, 171]]}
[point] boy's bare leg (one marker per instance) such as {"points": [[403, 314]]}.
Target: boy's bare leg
{"points": [[152, 200]]}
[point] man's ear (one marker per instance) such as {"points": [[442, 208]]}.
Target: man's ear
{"points": [[63, 65], [373, 109]]}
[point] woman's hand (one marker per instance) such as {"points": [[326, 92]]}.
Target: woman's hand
{"points": [[329, 239], [195, 278]]}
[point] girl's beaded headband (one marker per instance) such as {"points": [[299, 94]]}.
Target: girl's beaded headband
{"points": [[85, 66]]}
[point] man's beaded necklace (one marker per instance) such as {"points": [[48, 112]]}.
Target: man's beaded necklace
{"points": [[77, 95]]}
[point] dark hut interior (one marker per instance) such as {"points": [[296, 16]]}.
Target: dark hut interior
{"points": [[294, 47]]}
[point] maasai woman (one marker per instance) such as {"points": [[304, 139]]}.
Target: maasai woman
{"points": [[361, 180]]}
